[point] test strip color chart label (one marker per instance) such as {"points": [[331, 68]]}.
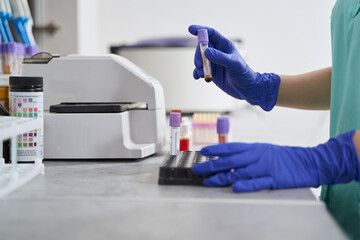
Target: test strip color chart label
{"points": [[28, 104]]}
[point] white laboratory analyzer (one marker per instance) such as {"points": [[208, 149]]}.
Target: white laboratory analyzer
{"points": [[102, 107]]}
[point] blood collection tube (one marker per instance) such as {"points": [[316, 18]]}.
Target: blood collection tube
{"points": [[203, 40], [9, 52], [175, 119], [222, 128], [185, 134]]}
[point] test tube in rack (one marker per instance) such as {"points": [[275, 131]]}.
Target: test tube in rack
{"points": [[175, 120], [222, 128]]}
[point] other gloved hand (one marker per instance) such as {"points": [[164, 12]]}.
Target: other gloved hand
{"points": [[252, 167], [233, 75]]}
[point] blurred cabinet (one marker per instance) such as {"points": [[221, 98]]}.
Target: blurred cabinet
{"points": [[66, 26]]}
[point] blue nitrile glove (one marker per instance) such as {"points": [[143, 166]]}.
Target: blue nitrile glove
{"points": [[252, 167], [233, 75]]}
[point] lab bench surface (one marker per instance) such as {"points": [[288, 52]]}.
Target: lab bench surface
{"points": [[122, 200]]}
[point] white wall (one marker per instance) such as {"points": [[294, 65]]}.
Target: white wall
{"points": [[88, 20], [283, 36]]}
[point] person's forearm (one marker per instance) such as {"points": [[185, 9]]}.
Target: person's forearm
{"points": [[356, 140], [306, 91]]}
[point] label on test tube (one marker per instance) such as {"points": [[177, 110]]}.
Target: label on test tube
{"points": [[174, 139], [175, 120]]}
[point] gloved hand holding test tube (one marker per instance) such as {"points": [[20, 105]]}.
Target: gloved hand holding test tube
{"points": [[232, 74]]}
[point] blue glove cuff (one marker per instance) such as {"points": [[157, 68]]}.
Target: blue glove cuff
{"points": [[341, 165], [269, 84], [352, 155]]}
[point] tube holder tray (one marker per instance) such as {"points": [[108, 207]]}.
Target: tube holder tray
{"points": [[176, 169]]}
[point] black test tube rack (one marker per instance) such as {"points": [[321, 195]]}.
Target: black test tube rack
{"points": [[176, 169]]}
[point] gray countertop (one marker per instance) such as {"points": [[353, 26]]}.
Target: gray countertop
{"points": [[122, 200]]}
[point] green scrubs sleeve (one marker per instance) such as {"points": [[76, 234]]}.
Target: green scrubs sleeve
{"points": [[343, 200]]}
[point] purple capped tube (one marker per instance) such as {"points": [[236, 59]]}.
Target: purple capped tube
{"points": [[175, 120], [203, 40], [222, 128], [9, 56]]}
